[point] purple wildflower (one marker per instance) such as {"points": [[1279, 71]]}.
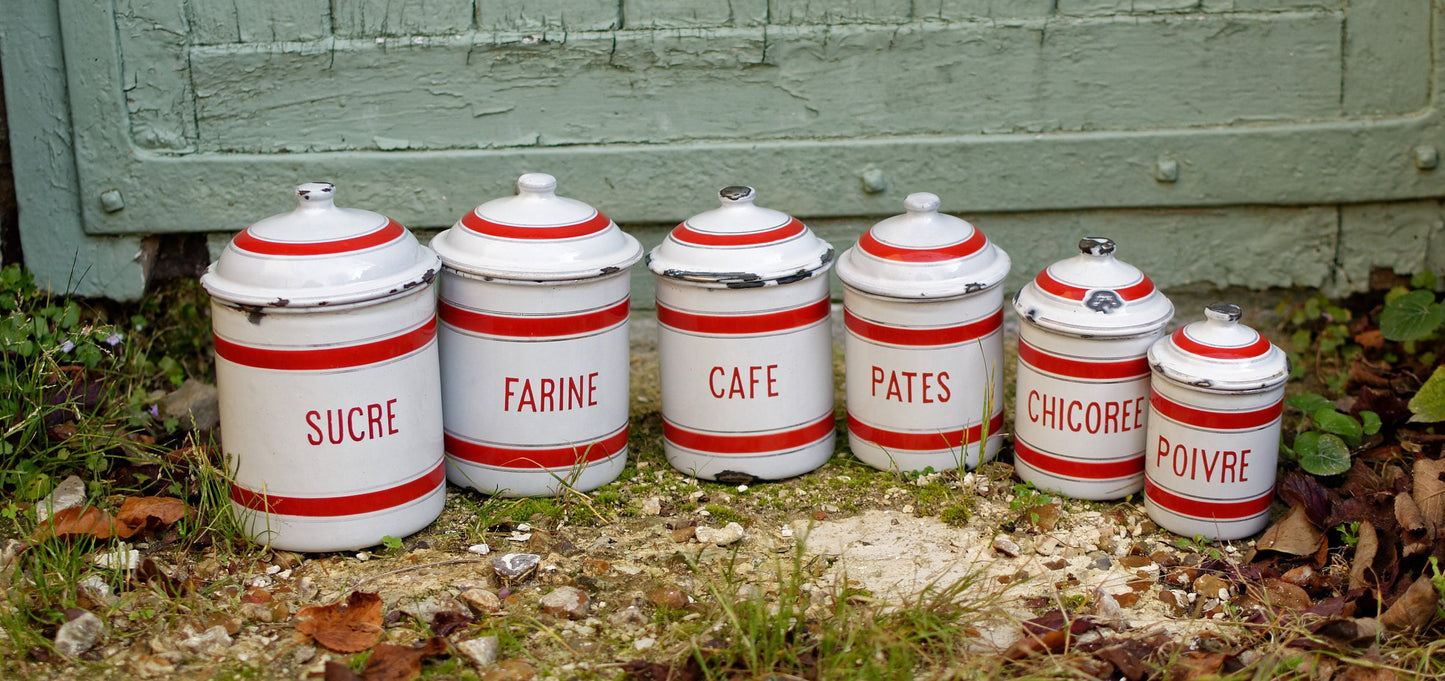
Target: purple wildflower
{"points": [[154, 410], [67, 346], [113, 339]]}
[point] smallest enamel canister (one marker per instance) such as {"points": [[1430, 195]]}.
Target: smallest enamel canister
{"points": [[1217, 394], [923, 307], [1083, 380]]}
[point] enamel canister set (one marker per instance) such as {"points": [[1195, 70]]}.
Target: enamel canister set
{"points": [[352, 389]]}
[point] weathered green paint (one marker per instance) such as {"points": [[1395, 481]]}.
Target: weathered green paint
{"points": [[58, 251], [1046, 117]]}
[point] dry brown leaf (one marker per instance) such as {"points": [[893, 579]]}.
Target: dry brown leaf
{"points": [[1416, 533], [1365, 550], [336, 671], [1294, 534], [400, 663], [1281, 594], [139, 514], [1372, 340], [1030, 645], [1413, 610], [1196, 665], [70, 522], [349, 627], [1350, 630], [1429, 491]]}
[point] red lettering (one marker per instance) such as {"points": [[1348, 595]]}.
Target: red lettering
{"points": [[925, 378], [351, 415], [592, 389], [527, 398], [1069, 416], [1209, 464], [772, 381], [909, 375], [942, 376], [335, 430], [1033, 397], [373, 421], [391, 418], [1111, 417], [877, 378], [1138, 412], [1092, 417], [893, 391], [507, 393], [1181, 463], [1243, 465], [576, 389], [548, 403], [712, 375], [1230, 459], [311, 420], [1161, 452]]}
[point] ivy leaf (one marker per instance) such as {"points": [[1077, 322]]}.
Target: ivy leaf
{"points": [[1370, 421], [1428, 404], [1411, 316], [1327, 454], [1309, 403], [1332, 421]]}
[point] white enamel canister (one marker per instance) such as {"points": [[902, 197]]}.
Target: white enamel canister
{"points": [[1082, 401], [1218, 392], [534, 349], [923, 307], [744, 343], [326, 361]]}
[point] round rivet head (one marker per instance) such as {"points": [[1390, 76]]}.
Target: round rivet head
{"points": [[1166, 170], [874, 181], [1096, 245], [1223, 312], [111, 201], [1427, 157]]}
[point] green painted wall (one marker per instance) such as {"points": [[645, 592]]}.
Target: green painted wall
{"points": [[1245, 142]]}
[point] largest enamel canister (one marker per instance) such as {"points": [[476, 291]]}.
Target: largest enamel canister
{"points": [[744, 343], [923, 306], [1083, 380], [1218, 392], [534, 349], [326, 360]]}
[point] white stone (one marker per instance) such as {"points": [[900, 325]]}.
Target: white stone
{"points": [[78, 635], [479, 549], [122, 557], [481, 651], [212, 642], [642, 644], [653, 506], [723, 536], [70, 493]]}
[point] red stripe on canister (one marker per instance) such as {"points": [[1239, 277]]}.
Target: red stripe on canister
{"points": [[529, 326], [948, 335], [922, 442], [748, 443], [1079, 368], [535, 458], [251, 243], [1218, 510], [1073, 468], [352, 504], [878, 249], [593, 225], [1258, 348], [695, 237], [328, 358], [1134, 291], [1214, 420], [743, 323]]}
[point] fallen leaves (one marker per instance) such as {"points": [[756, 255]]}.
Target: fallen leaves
{"points": [[136, 515], [1294, 534], [349, 627], [1414, 610], [400, 663]]}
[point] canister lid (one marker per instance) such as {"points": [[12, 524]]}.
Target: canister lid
{"points": [[1093, 294], [740, 245], [1220, 354], [319, 254], [923, 254], [536, 236]]}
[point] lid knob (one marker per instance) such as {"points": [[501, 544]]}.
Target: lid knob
{"points": [[540, 184], [736, 194], [314, 195], [1223, 312], [1096, 245], [922, 202]]}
